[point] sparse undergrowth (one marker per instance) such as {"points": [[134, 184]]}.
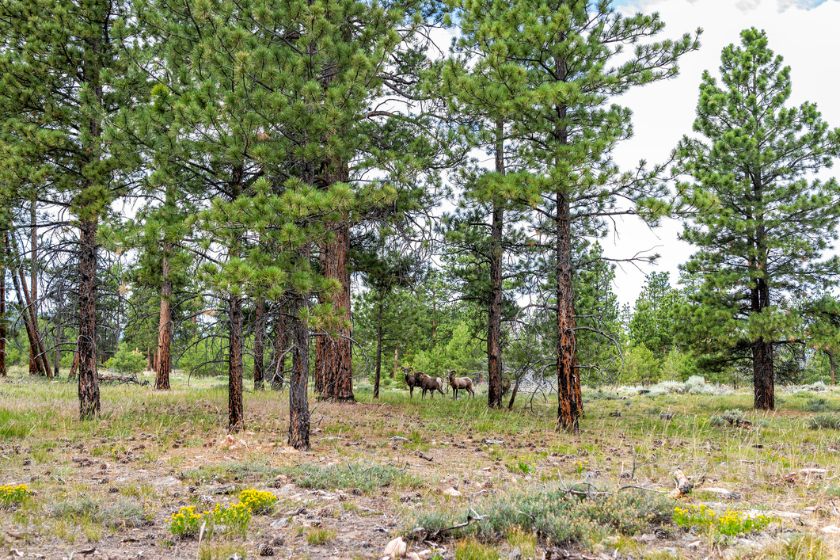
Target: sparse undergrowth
{"points": [[552, 512], [122, 476]]}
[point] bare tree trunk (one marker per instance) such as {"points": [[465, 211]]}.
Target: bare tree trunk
{"points": [[34, 363], [88, 381], [378, 350], [298, 403], [494, 323], [164, 352], [40, 357], [74, 367], [513, 393], [281, 342], [236, 414], [570, 403], [763, 382], [3, 372], [259, 345], [831, 364], [333, 354], [396, 362]]}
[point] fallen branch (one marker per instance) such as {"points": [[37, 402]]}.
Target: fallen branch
{"points": [[121, 379], [472, 516]]}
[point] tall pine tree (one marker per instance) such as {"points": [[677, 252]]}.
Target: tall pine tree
{"points": [[762, 223], [562, 60]]}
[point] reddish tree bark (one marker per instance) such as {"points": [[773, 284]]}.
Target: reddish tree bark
{"points": [[259, 344], [333, 354], [236, 414], [164, 351], [494, 322], [298, 403], [832, 367], [570, 403], [88, 379]]}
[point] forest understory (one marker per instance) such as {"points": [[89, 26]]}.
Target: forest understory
{"points": [[109, 488]]}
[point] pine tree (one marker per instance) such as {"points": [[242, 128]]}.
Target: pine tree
{"points": [[64, 84], [562, 60], [652, 321], [761, 224]]}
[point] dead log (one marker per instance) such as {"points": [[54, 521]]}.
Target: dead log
{"points": [[121, 379]]}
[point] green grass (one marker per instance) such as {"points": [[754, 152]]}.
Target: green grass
{"points": [[319, 535]]}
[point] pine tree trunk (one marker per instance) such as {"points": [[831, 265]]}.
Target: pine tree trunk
{"points": [[333, 354], [88, 382], [396, 362], [298, 403], [570, 403], [762, 350], [164, 352], [34, 363], [59, 331], [42, 364], [259, 345], [26, 312], [378, 350], [494, 323], [74, 367], [236, 414], [832, 367], [278, 363], [763, 379], [3, 372]]}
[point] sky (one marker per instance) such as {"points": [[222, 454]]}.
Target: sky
{"points": [[802, 31]]}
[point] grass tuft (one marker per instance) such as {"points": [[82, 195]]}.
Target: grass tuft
{"points": [[319, 535]]}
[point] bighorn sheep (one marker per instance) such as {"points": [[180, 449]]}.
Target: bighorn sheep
{"points": [[429, 384], [460, 383], [410, 379]]}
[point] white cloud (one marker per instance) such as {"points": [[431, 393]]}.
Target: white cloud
{"points": [[799, 30]]}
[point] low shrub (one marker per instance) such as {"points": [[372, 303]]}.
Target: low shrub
{"points": [[259, 501], [366, 479], [186, 523], [14, 495], [80, 506], [729, 523], [123, 513], [825, 421], [554, 514], [234, 518]]}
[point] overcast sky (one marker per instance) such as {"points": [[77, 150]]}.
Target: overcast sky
{"points": [[804, 32]]}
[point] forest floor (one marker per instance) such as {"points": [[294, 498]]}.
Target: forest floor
{"points": [[377, 470]]}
